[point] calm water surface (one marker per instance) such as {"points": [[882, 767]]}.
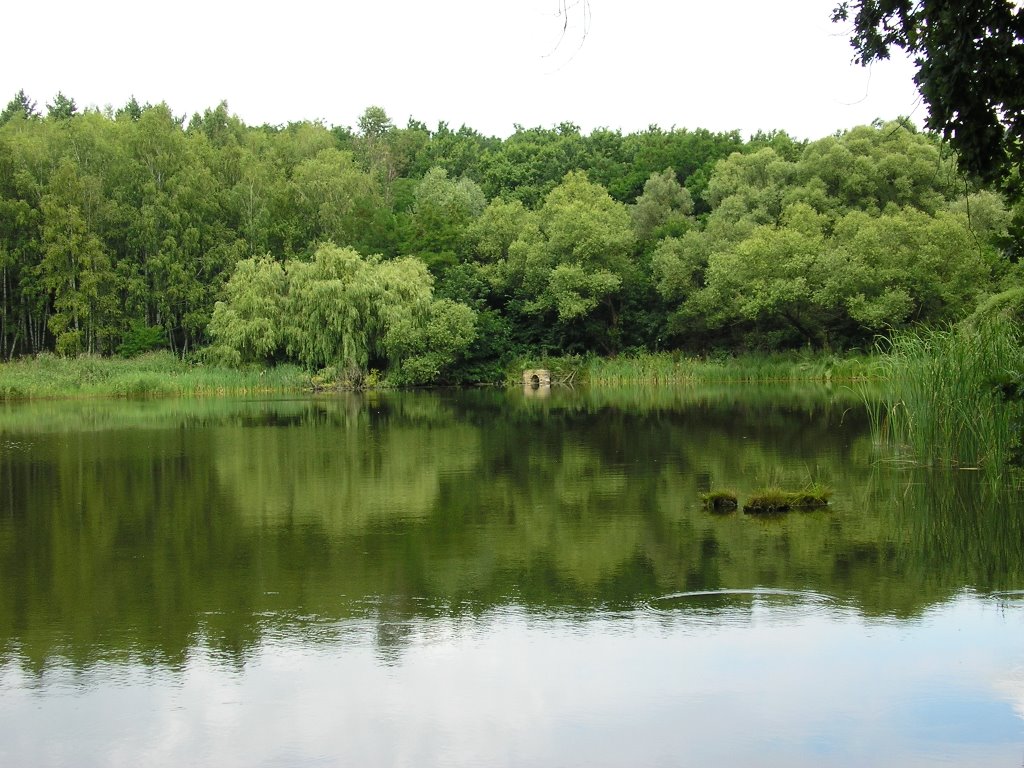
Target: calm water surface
{"points": [[497, 579]]}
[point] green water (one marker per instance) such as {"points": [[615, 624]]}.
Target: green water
{"points": [[496, 578]]}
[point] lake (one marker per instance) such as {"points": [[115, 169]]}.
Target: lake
{"points": [[498, 578]]}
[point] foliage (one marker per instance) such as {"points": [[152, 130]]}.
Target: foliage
{"points": [[946, 402], [345, 311], [424, 352], [851, 239], [1006, 306], [151, 374], [672, 368], [250, 323], [216, 237], [141, 338], [970, 69], [663, 209]]}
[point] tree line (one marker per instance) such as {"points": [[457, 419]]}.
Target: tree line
{"points": [[439, 255]]}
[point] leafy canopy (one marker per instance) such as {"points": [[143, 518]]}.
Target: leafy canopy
{"points": [[970, 70], [342, 310]]}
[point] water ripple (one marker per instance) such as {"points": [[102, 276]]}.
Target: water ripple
{"points": [[1009, 594], [696, 598]]}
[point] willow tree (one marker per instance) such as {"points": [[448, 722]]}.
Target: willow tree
{"points": [[343, 311], [340, 304], [248, 325]]}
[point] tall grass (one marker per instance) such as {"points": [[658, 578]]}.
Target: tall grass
{"points": [[153, 374], [944, 401], [653, 369]]}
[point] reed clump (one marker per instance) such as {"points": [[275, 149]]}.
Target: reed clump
{"points": [[813, 496], [951, 396]]}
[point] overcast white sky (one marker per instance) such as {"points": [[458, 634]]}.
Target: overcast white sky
{"points": [[717, 64]]}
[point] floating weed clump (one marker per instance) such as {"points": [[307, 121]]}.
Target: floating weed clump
{"points": [[774, 500], [768, 501], [813, 496], [719, 501]]}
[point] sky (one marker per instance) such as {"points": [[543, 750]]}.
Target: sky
{"points": [[723, 65]]}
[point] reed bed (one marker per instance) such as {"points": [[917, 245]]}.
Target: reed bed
{"points": [[950, 396], [155, 374], [668, 368]]}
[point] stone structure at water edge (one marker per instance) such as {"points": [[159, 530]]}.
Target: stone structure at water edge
{"points": [[536, 378]]}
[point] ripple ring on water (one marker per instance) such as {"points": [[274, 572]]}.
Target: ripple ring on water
{"points": [[659, 603]]}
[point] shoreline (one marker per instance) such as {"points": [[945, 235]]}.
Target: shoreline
{"points": [[163, 374]]}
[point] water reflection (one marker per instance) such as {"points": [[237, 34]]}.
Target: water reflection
{"points": [[453, 565], [803, 683], [167, 520]]}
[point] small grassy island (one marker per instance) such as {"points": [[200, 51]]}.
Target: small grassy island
{"points": [[773, 500], [719, 501], [769, 500]]}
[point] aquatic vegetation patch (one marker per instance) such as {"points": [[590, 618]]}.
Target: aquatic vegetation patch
{"points": [[951, 396], [812, 496], [720, 501], [768, 501], [775, 499]]}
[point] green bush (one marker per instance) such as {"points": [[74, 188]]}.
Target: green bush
{"points": [[141, 338]]}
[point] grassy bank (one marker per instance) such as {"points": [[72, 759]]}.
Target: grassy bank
{"points": [[668, 368], [153, 374], [162, 374]]}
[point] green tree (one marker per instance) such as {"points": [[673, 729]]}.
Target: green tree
{"points": [[76, 266], [532, 162], [459, 152], [249, 324], [871, 167], [19, 106], [373, 147], [350, 312], [132, 110], [663, 209], [693, 155], [970, 70], [443, 210], [808, 281], [179, 245], [678, 265], [335, 309], [62, 108], [424, 350], [571, 258], [331, 196], [768, 278], [907, 266]]}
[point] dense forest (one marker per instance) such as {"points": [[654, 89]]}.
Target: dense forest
{"points": [[438, 255]]}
